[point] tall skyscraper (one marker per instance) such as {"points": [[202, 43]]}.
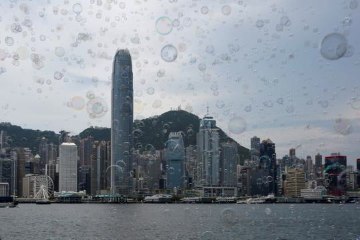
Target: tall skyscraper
{"points": [[175, 161], [68, 157], [121, 124], [228, 164], [318, 165], [268, 162], [255, 149], [208, 152]]}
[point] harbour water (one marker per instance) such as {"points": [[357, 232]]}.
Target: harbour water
{"points": [[181, 221]]}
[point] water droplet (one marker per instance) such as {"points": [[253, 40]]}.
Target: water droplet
{"points": [[163, 25], [9, 41], [96, 107], [169, 53], [237, 125], [58, 75], [77, 8], [204, 10], [343, 126], [260, 23], [77, 103], [150, 90], [229, 217], [333, 46], [248, 108], [353, 4], [202, 67], [226, 10]]}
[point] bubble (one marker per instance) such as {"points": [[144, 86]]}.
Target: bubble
{"points": [[187, 22], [42, 37], [285, 21], [204, 10], [210, 49], [77, 8], [58, 75], [355, 103], [268, 211], [280, 101], [290, 109], [176, 23], [207, 235], [163, 25], [324, 103], [37, 61], [220, 104], [161, 73], [347, 21], [16, 28], [237, 125], [333, 46], [150, 90], [77, 103], [137, 133], [248, 108], [229, 217], [226, 10], [202, 67], [90, 95], [169, 53], [260, 23], [9, 41], [157, 103], [97, 107], [343, 126], [171, 170], [353, 4]]}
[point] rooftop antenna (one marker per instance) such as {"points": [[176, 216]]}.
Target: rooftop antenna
{"points": [[207, 110]]}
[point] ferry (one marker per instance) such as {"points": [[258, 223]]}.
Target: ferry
{"points": [[191, 200], [158, 198], [225, 200]]}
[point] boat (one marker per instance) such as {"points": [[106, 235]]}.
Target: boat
{"points": [[258, 200], [158, 198], [42, 201], [191, 200], [225, 200]]}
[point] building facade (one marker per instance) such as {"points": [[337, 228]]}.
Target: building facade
{"points": [[335, 174], [208, 152], [122, 124], [175, 161], [68, 163]]}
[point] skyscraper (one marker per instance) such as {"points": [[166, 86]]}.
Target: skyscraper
{"points": [[268, 163], [121, 123], [255, 149], [68, 156], [208, 150], [175, 161], [335, 174]]}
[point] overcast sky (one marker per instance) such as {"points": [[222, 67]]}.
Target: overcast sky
{"points": [[264, 68]]}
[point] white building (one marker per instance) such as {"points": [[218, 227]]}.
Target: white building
{"points": [[4, 189], [68, 157]]}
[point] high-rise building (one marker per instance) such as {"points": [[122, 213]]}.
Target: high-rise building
{"points": [[68, 158], [255, 149], [335, 174], [295, 181], [191, 162], [309, 169], [122, 124], [268, 163], [208, 152], [358, 171], [8, 170], [175, 161], [318, 165], [100, 167], [228, 164], [292, 152], [23, 155]]}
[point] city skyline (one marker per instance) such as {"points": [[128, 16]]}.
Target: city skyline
{"points": [[258, 65]]}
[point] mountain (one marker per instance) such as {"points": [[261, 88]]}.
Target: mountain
{"points": [[154, 131], [19, 137], [148, 133]]}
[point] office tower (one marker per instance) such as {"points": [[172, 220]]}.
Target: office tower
{"points": [[8, 170], [122, 124], [255, 149], [85, 153], [191, 170], [335, 174], [44, 155], [175, 161], [208, 151], [68, 158], [292, 152], [100, 167], [23, 155], [309, 169], [4, 189], [358, 171], [228, 164], [318, 165], [268, 163], [3, 140], [295, 181]]}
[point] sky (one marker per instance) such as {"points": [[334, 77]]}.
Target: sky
{"points": [[284, 70]]}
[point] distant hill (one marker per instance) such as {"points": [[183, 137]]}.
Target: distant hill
{"points": [[20, 137], [155, 131]]}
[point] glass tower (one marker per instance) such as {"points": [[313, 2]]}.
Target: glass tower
{"points": [[121, 123]]}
